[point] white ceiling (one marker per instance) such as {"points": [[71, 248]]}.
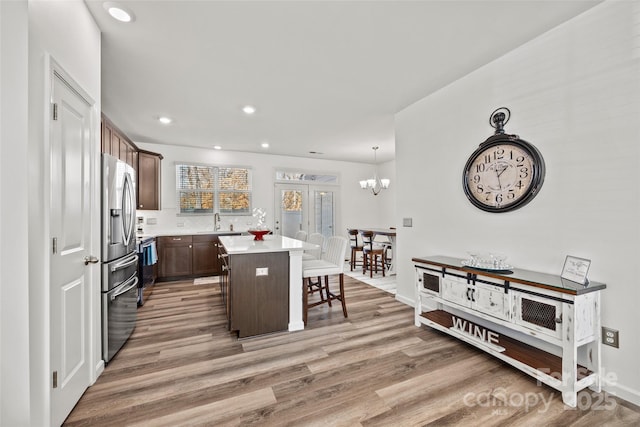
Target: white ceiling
{"points": [[325, 76]]}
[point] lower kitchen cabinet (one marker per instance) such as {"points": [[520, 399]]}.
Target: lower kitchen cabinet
{"points": [[205, 255], [175, 256], [181, 257]]}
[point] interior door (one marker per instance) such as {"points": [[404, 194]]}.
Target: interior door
{"points": [[310, 208], [70, 216]]}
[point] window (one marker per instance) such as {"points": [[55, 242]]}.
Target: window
{"points": [[289, 175], [205, 189]]}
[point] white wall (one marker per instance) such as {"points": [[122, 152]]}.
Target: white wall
{"points": [[575, 94], [14, 292], [357, 207], [66, 31]]}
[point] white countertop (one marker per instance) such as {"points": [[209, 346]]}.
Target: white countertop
{"points": [[271, 243]]}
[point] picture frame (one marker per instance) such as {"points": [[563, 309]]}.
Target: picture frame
{"points": [[575, 269]]}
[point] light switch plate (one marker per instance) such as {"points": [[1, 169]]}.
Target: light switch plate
{"points": [[610, 337], [407, 222], [263, 271]]}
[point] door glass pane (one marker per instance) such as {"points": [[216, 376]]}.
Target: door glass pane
{"points": [[323, 212], [291, 211]]}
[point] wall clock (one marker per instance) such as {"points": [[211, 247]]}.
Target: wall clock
{"points": [[505, 172]]}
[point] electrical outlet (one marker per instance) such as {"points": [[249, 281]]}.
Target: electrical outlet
{"points": [[152, 221], [610, 337], [407, 222], [264, 271]]}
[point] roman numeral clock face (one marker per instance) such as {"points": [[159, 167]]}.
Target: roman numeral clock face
{"points": [[503, 174]]}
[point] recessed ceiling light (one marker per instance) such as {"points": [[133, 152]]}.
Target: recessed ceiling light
{"points": [[119, 12], [165, 120], [249, 109], [265, 145], [217, 147]]}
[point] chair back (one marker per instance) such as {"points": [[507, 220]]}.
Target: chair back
{"points": [[316, 239], [353, 237], [367, 239], [335, 251], [301, 235]]}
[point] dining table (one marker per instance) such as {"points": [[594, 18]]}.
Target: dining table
{"points": [[390, 233]]}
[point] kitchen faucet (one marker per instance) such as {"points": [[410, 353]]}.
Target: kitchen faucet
{"points": [[216, 221]]}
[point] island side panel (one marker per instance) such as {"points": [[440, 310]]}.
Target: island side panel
{"points": [[295, 291], [259, 291]]}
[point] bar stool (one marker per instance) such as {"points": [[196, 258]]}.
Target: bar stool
{"points": [[315, 239], [355, 247], [301, 235], [331, 263], [371, 251]]}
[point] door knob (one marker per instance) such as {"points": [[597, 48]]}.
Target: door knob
{"points": [[90, 259]]}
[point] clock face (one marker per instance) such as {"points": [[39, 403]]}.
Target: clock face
{"points": [[503, 175]]}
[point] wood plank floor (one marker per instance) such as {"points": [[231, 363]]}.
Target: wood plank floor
{"points": [[182, 367]]}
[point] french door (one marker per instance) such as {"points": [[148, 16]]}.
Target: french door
{"points": [[305, 207]]}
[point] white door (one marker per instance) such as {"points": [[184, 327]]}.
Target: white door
{"points": [[322, 206], [71, 183], [310, 208], [292, 212]]}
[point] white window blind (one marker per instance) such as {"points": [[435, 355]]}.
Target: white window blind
{"points": [[205, 189]]}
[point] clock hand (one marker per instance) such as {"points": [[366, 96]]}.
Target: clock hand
{"points": [[498, 176]]}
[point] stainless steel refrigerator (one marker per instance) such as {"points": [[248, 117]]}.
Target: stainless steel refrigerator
{"points": [[119, 256]]}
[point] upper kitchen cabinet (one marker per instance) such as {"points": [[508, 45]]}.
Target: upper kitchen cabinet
{"points": [[117, 144], [149, 180], [145, 163]]}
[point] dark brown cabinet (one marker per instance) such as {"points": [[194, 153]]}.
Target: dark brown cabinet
{"points": [[205, 255], [114, 142], [148, 180], [259, 304], [189, 256], [145, 163], [174, 256]]}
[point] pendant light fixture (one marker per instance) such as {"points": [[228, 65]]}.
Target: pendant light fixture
{"points": [[375, 184]]}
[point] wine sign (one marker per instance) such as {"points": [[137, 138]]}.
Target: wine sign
{"points": [[475, 331]]}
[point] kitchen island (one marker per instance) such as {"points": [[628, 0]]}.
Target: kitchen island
{"points": [[262, 283]]}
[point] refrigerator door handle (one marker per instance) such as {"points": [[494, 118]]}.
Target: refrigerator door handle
{"points": [[133, 259], [128, 209], [119, 291]]}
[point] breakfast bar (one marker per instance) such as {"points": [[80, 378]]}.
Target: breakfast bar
{"points": [[262, 283]]}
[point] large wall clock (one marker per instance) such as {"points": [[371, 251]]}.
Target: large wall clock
{"points": [[505, 172]]}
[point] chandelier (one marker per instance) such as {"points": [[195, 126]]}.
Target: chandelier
{"points": [[375, 184]]}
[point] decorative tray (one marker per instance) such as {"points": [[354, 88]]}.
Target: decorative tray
{"points": [[486, 265]]}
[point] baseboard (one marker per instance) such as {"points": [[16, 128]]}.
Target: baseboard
{"points": [[98, 370], [624, 393], [405, 300]]}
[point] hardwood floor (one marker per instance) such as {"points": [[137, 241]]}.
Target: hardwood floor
{"points": [[182, 367]]}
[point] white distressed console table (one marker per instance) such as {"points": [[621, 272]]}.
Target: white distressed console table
{"points": [[542, 324]]}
